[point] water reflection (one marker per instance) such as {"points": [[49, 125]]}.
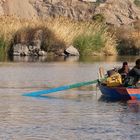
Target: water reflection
{"points": [[107, 99], [134, 105], [72, 114], [89, 59], [73, 58], [98, 58], [44, 59]]}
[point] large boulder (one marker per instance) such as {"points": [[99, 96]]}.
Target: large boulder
{"points": [[38, 41], [42, 53], [20, 50], [24, 50], [29, 43], [71, 51]]}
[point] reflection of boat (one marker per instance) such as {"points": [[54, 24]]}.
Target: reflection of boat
{"points": [[120, 93]]}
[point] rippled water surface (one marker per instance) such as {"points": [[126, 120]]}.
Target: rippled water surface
{"points": [[77, 114]]}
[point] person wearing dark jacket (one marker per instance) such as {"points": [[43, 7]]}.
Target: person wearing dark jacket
{"points": [[124, 70], [135, 72]]}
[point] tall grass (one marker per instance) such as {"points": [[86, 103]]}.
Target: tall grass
{"points": [[128, 40], [86, 36], [89, 43], [2, 48], [96, 39]]}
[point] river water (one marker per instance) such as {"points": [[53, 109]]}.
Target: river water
{"points": [[77, 114]]}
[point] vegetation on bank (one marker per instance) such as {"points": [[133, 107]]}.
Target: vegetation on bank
{"points": [[97, 41], [128, 39], [87, 37], [137, 2], [3, 47]]}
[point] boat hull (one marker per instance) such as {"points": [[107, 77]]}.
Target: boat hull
{"points": [[120, 93]]}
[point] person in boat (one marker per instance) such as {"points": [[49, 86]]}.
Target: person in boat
{"points": [[135, 72], [124, 70]]}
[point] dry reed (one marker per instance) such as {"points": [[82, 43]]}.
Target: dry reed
{"points": [[65, 30]]}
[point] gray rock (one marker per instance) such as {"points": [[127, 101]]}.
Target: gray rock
{"points": [[116, 12], [37, 44], [25, 50], [20, 49], [119, 12], [42, 53], [72, 51], [31, 47], [17, 48], [16, 54]]}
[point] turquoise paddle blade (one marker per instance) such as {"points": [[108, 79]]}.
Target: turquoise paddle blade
{"points": [[61, 88]]}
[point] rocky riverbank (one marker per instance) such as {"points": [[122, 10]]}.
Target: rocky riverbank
{"points": [[115, 12], [31, 32], [39, 37]]}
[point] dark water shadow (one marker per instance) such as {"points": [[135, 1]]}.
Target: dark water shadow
{"points": [[109, 99], [134, 105], [131, 105]]}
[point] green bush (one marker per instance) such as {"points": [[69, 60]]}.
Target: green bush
{"points": [[98, 18], [137, 2], [87, 44], [3, 49]]}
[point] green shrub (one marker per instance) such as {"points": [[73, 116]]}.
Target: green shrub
{"points": [[98, 18], [87, 44], [2, 48], [137, 2]]}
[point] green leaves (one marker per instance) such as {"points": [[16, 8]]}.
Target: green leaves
{"points": [[3, 48], [87, 44], [137, 2]]}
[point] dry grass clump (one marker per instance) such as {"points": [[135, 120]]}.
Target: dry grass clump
{"points": [[64, 30], [94, 36], [128, 39]]}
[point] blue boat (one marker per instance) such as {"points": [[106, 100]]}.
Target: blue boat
{"points": [[120, 93]]}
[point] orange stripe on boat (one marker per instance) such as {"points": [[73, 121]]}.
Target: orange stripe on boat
{"points": [[133, 91]]}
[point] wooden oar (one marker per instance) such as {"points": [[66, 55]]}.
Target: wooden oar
{"points": [[61, 88]]}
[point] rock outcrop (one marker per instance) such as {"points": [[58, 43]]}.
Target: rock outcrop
{"points": [[74, 9], [1, 7], [119, 12], [29, 44], [19, 8], [36, 42], [116, 12]]}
